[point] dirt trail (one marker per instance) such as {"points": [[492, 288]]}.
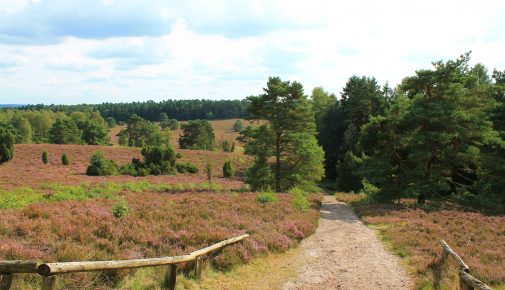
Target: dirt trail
{"points": [[345, 254]]}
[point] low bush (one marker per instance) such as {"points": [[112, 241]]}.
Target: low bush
{"points": [[186, 167], [208, 171], [64, 159], [99, 166], [228, 169], [45, 157], [300, 200], [120, 209], [267, 197]]}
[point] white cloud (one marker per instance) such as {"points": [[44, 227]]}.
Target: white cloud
{"points": [[227, 49]]}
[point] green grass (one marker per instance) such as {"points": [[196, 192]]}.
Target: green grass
{"points": [[23, 196]]}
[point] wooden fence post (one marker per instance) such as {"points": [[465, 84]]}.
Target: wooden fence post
{"points": [[49, 282], [171, 276], [5, 281], [198, 267]]}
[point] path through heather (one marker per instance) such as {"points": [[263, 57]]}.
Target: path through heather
{"points": [[345, 254]]}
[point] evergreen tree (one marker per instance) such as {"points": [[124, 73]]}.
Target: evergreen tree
{"points": [[198, 135], [289, 135]]}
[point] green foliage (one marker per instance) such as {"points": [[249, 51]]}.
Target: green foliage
{"points": [[111, 122], [260, 176], [164, 120], [65, 131], [208, 171], [159, 160], [6, 145], [300, 200], [120, 209], [226, 146], [143, 133], [94, 132], [238, 126], [228, 169], [22, 129], [64, 159], [232, 149], [198, 135], [289, 137], [123, 137], [45, 157], [99, 166], [186, 167], [267, 197]]}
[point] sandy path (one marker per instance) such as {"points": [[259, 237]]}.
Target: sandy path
{"points": [[345, 254]]}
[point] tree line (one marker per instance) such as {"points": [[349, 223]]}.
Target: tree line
{"points": [[181, 110], [439, 133]]}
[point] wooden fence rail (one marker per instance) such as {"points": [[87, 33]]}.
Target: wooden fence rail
{"points": [[49, 271], [466, 281]]}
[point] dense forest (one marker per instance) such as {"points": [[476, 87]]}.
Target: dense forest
{"points": [[181, 110]]}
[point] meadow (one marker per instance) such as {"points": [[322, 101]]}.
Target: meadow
{"points": [[414, 232]]}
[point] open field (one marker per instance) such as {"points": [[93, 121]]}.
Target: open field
{"points": [[414, 233], [54, 212], [223, 130], [27, 169]]}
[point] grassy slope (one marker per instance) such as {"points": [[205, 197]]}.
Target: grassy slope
{"points": [[413, 234]]}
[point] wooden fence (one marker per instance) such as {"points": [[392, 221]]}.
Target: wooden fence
{"points": [[49, 271], [466, 281]]}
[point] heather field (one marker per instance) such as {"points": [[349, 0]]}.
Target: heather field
{"points": [[414, 233], [54, 212], [27, 169]]}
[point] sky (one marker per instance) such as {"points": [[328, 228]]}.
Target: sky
{"points": [[94, 51]]}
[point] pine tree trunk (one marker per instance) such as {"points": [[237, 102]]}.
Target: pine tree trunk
{"points": [[278, 163]]}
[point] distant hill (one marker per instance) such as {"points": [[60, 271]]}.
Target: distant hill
{"points": [[10, 105]]}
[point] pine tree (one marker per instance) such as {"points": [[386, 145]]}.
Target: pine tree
{"points": [[289, 136]]}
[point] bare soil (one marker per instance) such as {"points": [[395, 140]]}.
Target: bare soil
{"points": [[345, 254]]}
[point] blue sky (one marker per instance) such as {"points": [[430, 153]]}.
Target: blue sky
{"points": [[60, 51]]}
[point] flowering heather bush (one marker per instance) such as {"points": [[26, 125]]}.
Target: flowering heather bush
{"points": [[415, 233], [157, 224]]}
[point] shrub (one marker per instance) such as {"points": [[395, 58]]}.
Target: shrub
{"points": [[64, 159], [208, 170], [266, 197], [120, 209], [45, 157], [237, 126], [159, 160], [226, 146], [232, 147], [101, 167], [228, 169], [300, 200], [6, 145], [186, 167], [260, 176]]}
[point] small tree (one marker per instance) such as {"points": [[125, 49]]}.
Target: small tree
{"points": [[6, 145], [123, 137], [197, 135], [111, 122], [45, 158], [65, 131], [237, 126], [208, 170], [164, 123], [64, 159], [173, 124], [159, 160], [101, 167], [228, 169]]}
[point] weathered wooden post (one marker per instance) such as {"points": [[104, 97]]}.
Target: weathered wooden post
{"points": [[49, 282], [198, 267], [171, 276], [5, 281]]}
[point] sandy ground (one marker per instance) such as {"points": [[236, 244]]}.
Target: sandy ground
{"points": [[345, 254]]}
